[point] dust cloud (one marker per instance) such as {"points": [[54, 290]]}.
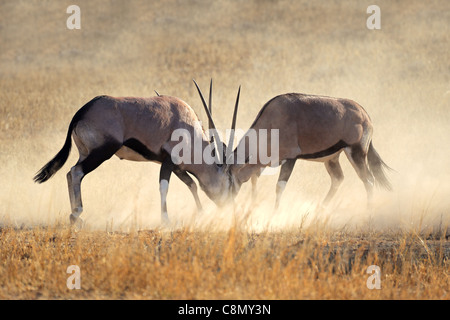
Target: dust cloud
{"points": [[400, 74]]}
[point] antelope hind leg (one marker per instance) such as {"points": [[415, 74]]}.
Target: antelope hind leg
{"points": [[337, 176], [74, 177]]}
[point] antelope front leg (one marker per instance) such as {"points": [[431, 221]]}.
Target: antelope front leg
{"points": [[254, 180], [285, 173], [164, 178], [191, 185]]}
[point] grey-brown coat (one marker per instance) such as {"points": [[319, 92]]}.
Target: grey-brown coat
{"points": [[137, 129], [316, 128]]}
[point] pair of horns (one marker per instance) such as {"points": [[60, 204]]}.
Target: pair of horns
{"points": [[208, 110]]}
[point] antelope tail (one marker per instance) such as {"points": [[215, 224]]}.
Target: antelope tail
{"points": [[378, 166], [57, 162]]}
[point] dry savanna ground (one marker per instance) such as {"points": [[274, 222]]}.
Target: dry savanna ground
{"points": [[400, 74]]}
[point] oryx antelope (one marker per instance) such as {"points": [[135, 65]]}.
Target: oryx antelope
{"points": [[137, 129], [316, 128]]}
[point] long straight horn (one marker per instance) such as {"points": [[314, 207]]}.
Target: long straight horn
{"points": [[233, 124], [211, 122], [210, 97]]}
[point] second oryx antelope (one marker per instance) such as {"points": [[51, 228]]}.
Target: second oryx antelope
{"points": [[316, 128], [137, 129]]}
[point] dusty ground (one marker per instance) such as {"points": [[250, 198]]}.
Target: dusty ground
{"points": [[400, 74]]}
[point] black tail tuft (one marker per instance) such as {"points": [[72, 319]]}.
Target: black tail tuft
{"points": [[378, 166], [57, 162]]}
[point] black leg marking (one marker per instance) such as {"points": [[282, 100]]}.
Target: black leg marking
{"points": [[99, 155], [76, 174], [184, 176], [164, 177]]}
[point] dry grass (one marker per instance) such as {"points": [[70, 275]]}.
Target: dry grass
{"points": [[235, 264], [400, 74]]}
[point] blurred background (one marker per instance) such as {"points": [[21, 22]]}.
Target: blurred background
{"points": [[399, 74]]}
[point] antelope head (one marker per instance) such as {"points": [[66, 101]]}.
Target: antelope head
{"points": [[223, 153]]}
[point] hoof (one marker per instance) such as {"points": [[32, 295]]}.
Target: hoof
{"points": [[76, 221]]}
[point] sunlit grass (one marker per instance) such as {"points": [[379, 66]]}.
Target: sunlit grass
{"points": [[233, 264]]}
